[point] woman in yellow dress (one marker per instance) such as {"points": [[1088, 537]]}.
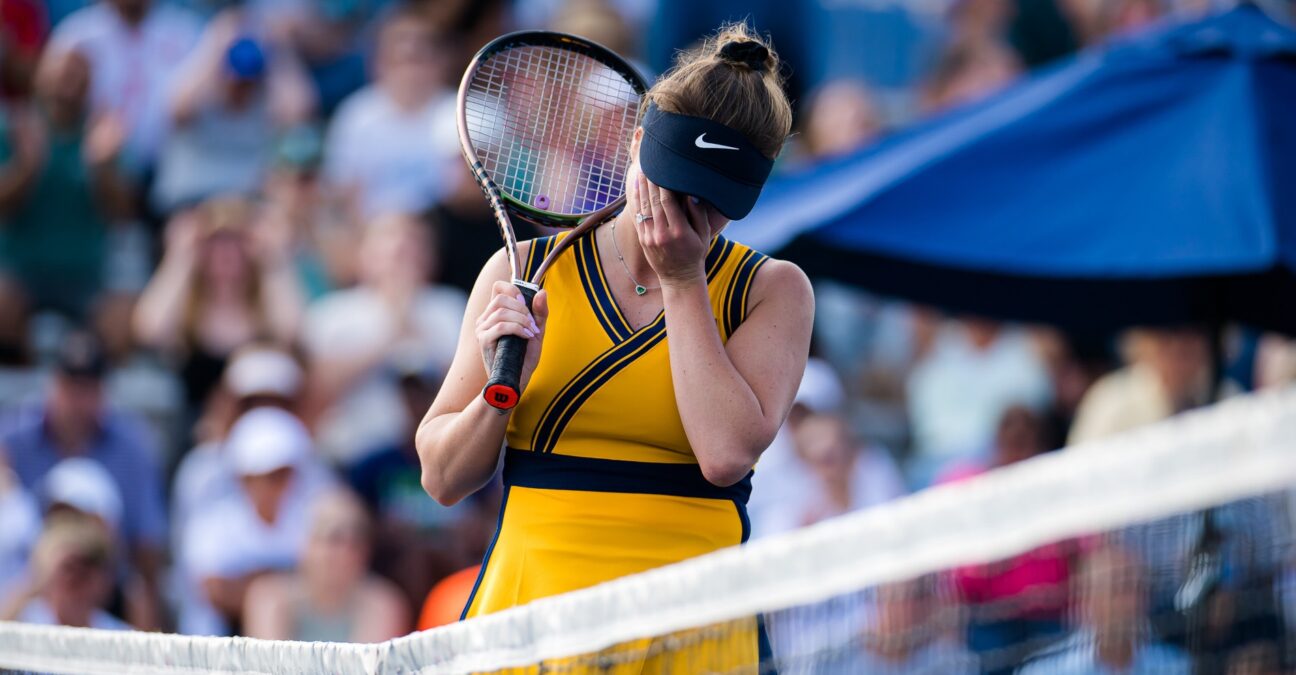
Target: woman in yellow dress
{"points": [[661, 359]]}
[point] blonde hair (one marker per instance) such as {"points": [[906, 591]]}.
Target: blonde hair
{"points": [[223, 214], [731, 80]]}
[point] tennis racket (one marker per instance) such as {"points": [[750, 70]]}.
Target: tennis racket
{"points": [[545, 121]]}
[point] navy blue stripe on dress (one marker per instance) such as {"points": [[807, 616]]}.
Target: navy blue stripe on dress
{"points": [[716, 256], [764, 650], [481, 573], [726, 300], [535, 256], [600, 298], [523, 468], [735, 308], [746, 289], [573, 396]]}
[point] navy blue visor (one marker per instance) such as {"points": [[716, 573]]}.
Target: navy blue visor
{"points": [[703, 158]]}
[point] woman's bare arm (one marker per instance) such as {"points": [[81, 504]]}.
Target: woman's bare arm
{"points": [[734, 396], [460, 439]]}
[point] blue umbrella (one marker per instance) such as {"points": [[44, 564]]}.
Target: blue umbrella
{"points": [[1152, 181]]}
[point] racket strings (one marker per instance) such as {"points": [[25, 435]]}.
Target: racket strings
{"points": [[552, 127]]}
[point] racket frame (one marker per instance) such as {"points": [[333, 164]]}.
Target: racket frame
{"points": [[501, 389]]}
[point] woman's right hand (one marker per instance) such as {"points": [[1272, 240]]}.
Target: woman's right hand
{"points": [[506, 314]]}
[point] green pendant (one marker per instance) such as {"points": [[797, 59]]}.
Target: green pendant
{"points": [[640, 290]]}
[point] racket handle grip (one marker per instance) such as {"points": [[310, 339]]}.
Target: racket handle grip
{"points": [[502, 388]]}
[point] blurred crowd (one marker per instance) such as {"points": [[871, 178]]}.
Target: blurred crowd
{"points": [[235, 241]]}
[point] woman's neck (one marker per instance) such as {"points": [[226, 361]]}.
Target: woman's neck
{"points": [[624, 239]]}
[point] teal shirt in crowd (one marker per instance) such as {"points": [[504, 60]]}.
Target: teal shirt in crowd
{"points": [[54, 242]]}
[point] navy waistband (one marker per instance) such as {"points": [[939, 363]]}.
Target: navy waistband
{"points": [[523, 468]]}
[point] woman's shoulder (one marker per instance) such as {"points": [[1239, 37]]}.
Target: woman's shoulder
{"points": [[763, 265], [782, 279]]}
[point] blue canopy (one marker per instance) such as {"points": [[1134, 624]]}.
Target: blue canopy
{"points": [[1149, 181]]}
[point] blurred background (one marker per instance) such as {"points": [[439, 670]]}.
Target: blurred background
{"points": [[235, 246]]}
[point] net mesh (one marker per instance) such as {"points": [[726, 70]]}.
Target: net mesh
{"points": [[552, 127], [1165, 550]]}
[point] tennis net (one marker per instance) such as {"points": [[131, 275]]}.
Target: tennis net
{"points": [[1165, 550]]}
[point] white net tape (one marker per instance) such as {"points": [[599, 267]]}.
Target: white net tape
{"points": [[1241, 448]]}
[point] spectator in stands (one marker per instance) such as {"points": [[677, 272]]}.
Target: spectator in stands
{"points": [[849, 475], [83, 486], [783, 478], [1095, 22], [911, 632], [1169, 372], [59, 190], [464, 224], [1000, 364], [19, 527], [843, 116], [72, 576], [417, 541], [602, 21], [1019, 435], [1018, 605], [24, 25], [333, 39], [980, 21], [393, 142], [1115, 635], [260, 529], [236, 92], [332, 596], [258, 376], [320, 224], [967, 72], [1275, 362], [74, 422], [221, 284], [359, 339], [134, 48], [873, 341]]}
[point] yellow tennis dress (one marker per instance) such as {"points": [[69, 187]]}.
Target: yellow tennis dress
{"points": [[600, 481]]}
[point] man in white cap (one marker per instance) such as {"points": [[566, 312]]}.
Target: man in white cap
{"points": [[815, 469], [258, 375], [83, 485], [260, 528]]}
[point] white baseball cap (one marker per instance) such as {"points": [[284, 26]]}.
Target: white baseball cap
{"points": [[263, 370], [267, 439], [821, 389], [86, 486]]}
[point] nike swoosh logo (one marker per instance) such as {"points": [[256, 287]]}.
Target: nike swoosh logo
{"points": [[701, 143]]}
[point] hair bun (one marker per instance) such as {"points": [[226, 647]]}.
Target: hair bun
{"points": [[749, 53]]}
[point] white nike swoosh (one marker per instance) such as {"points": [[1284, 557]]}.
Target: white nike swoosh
{"points": [[710, 146]]}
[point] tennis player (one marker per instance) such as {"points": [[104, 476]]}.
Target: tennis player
{"points": [[670, 354]]}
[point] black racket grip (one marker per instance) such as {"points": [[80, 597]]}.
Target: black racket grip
{"points": [[501, 390]]}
